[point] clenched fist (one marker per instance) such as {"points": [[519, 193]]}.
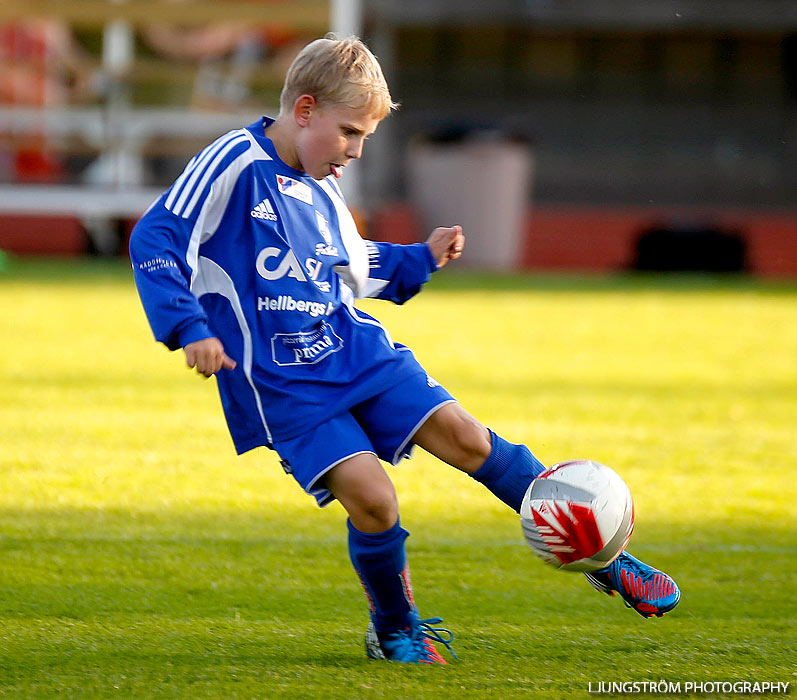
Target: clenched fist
{"points": [[446, 243]]}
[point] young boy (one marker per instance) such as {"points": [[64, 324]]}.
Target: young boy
{"points": [[251, 263]]}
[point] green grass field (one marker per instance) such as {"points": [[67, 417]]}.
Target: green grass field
{"points": [[140, 558]]}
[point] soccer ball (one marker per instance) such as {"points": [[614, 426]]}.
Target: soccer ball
{"points": [[577, 515]]}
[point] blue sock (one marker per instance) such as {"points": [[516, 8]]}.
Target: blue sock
{"points": [[380, 561], [508, 471]]}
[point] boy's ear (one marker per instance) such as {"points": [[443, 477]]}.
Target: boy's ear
{"points": [[303, 109]]}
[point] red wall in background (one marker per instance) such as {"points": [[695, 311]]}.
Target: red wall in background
{"points": [[42, 235], [604, 238]]}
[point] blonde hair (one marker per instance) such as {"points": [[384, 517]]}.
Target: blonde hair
{"points": [[340, 72]]}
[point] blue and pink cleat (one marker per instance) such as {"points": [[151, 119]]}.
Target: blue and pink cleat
{"points": [[411, 645], [645, 589]]}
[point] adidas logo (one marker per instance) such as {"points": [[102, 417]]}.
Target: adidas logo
{"points": [[264, 210]]}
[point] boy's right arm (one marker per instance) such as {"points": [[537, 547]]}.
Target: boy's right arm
{"points": [[158, 251], [208, 356]]}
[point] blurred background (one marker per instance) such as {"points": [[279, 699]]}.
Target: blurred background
{"points": [[592, 135]]}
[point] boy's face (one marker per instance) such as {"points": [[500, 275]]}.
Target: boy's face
{"points": [[331, 137]]}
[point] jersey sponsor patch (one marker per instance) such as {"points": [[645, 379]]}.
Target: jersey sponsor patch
{"points": [[273, 263], [305, 348], [157, 263], [294, 188], [285, 302]]}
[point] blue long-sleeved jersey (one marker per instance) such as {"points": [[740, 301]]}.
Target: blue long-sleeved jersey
{"points": [[247, 249]]}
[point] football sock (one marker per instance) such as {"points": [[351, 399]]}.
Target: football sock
{"points": [[380, 561], [508, 471]]}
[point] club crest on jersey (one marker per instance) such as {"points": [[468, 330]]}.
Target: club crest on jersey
{"points": [[323, 227], [325, 248], [294, 188]]}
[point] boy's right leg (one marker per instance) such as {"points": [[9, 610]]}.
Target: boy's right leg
{"points": [[376, 547], [337, 460], [375, 538]]}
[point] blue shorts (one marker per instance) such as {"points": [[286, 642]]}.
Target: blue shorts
{"points": [[382, 425]]}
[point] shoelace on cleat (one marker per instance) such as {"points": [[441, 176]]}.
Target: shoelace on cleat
{"points": [[426, 631]]}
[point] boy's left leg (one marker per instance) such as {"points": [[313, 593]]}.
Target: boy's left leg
{"points": [[507, 470]]}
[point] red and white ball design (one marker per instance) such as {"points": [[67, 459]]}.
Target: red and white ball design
{"points": [[578, 515]]}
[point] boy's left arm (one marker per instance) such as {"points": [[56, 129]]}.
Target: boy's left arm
{"points": [[397, 272]]}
